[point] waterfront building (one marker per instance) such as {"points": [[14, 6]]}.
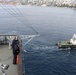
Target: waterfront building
{"points": [[68, 1]]}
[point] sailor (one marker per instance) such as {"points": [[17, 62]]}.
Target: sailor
{"points": [[16, 50]]}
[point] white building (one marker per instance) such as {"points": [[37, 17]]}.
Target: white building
{"points": [[68, 2]]}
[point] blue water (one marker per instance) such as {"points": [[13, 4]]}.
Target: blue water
{"points": [[54, 24]]}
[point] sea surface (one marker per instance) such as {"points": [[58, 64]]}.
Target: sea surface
{"points": [[41, 56]]}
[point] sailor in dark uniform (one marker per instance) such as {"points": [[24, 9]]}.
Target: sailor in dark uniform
{"points": [[16, 50]]}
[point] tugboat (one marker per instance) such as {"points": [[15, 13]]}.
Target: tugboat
{"points": [[68, 44]]}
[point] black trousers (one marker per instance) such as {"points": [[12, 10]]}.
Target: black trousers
{"points": [[14, 58], [15, 53]]}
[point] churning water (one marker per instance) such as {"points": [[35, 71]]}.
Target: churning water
{"points": [[54, 24]]}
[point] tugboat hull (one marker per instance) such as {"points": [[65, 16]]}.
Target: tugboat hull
{"points": [[65, 44], [68, 44]]}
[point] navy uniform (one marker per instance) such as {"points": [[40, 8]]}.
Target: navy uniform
{"points": [[16, 50]]}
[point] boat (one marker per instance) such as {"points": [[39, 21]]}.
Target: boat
{"points": [[6, 55], [68, 44]]}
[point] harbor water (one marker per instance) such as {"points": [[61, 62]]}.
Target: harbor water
{"points": [[54, 24]]}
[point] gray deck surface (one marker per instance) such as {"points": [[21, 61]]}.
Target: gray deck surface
{"points": [[6, 57]]}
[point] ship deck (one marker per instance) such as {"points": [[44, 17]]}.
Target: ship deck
{"points": [[6, 57]]}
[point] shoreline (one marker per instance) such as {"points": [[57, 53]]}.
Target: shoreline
{"points": [[71, 5], [74, 6]]}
